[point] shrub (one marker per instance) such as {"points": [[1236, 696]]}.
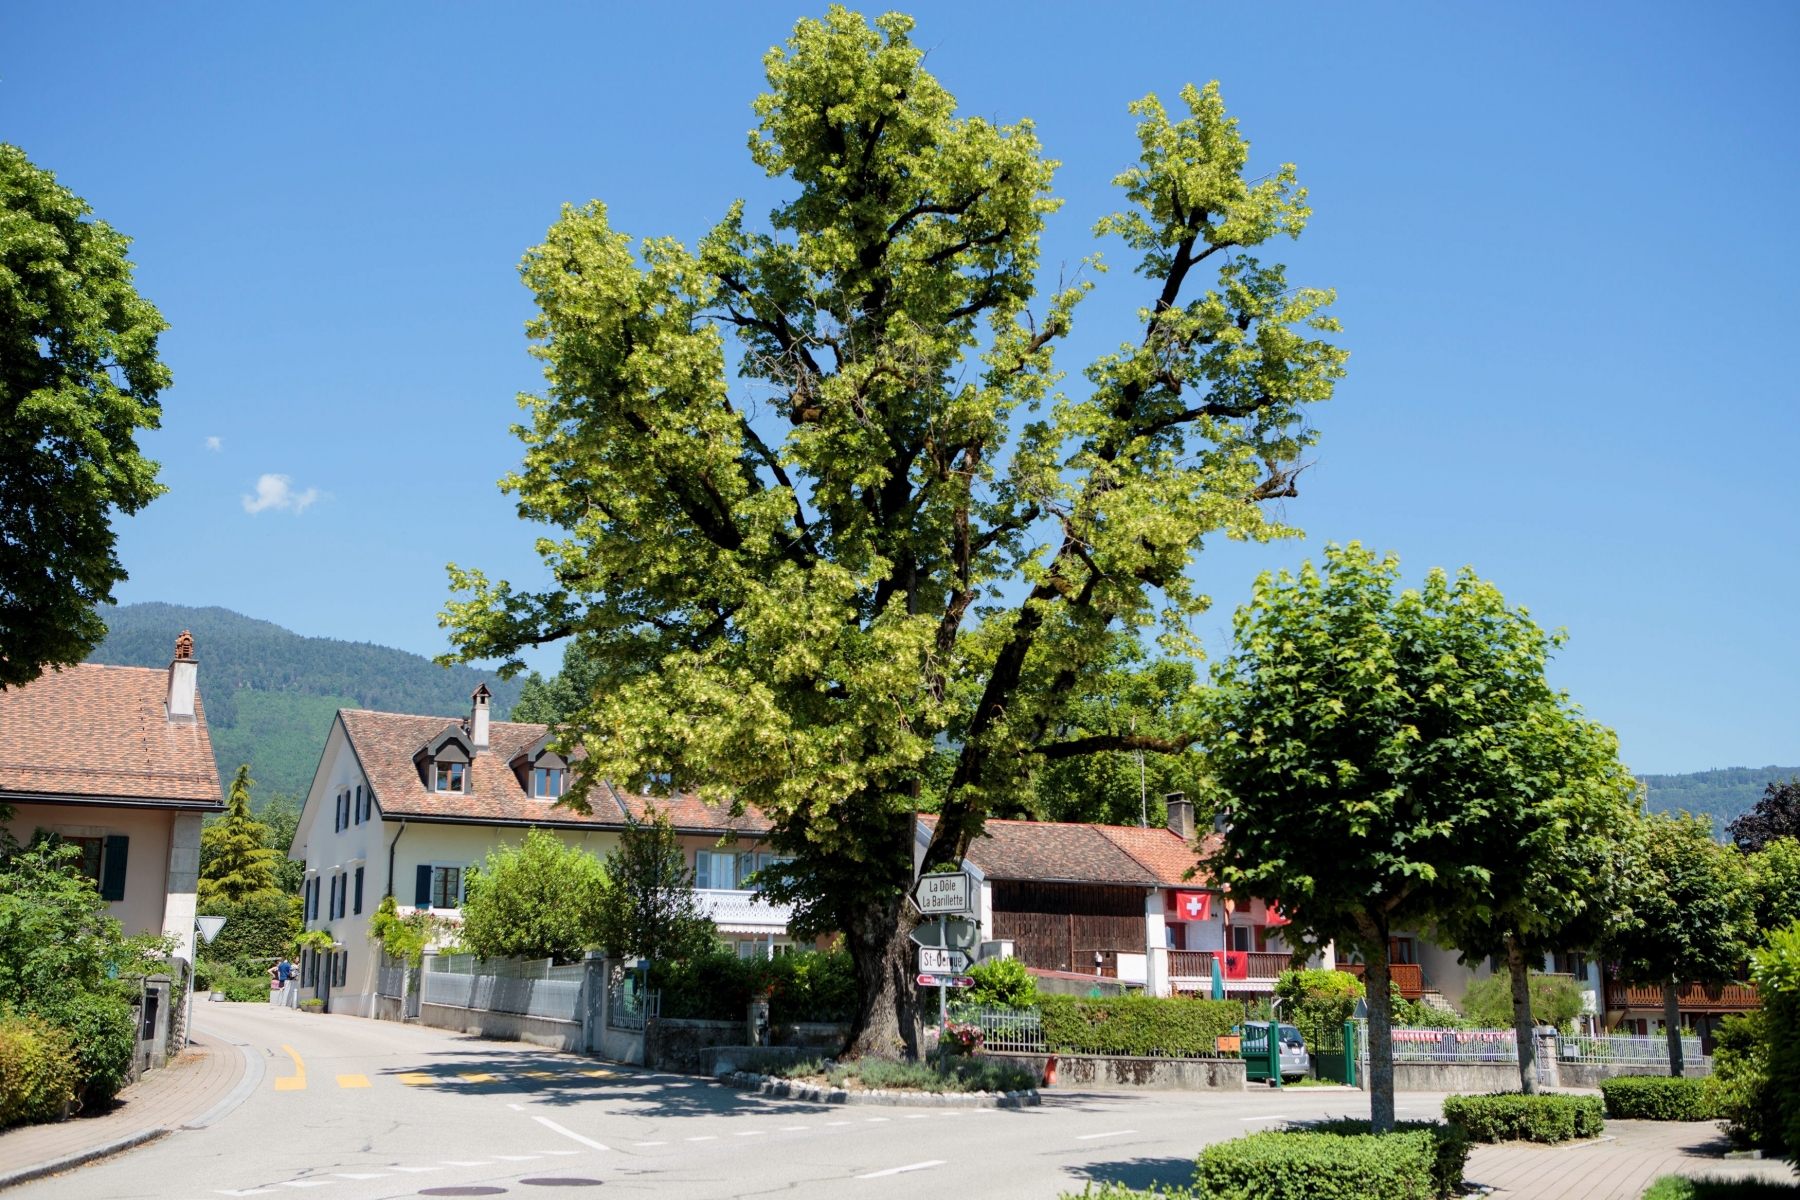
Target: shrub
{"points": [[541, 899], [1415, 1162], [806, 986], [1777, 974], [1317, 1003], [1003, 983], [1739, 1084], [1555, 1000], [958, 1075], [1658, 1098], [1136, 1024], [39, 1073], [257, 928], [1516, 1117], [1679, 1187]]}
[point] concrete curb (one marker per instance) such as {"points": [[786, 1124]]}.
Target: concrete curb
{"points": [[787, 1089], [56, 1165], [253, 1077]]}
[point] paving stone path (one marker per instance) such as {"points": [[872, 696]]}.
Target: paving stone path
{"points": [[1619, 1166]]}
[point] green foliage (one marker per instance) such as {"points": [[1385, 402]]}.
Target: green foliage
{"points": [[261, 927], [270, 695], [955, 1075], [553, 701], [1776, 969], [1003, 982], [805, 986], [1686, 912], [1416, 1162], [1317, 1003], [800, 627], [1516, 1117], [1680, 1187], [1659, 1098], [1775, 882], [79, 376], [38, 1070], [236, 861], [541, 899], [1136, 1024], [103, 1026], [406, 937], [650, 909], [282, 816], [1452, 1150], [238, 983], [1739, 1083], [1555, 1000]]}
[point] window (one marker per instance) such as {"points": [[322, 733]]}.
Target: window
{"points": [[89, 862], [356, 907], [547, 782], [340, 968], [450, 777], [1400, 950], [446, 887], [1240, 937], [336, 907]]}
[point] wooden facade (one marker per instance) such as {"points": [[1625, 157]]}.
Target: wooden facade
{"points": [[1063, 926]]}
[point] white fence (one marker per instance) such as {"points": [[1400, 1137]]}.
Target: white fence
{"points": [[1016, 1029], [1455, 1046], [1624, 1049], [530, 989]]}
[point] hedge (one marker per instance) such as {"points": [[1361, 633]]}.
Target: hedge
{"points": [[1658, 1098], [805, 986], [1415, 1162], [1516, 1117], [38, 1071], [257, 928], [1144, 1025]]}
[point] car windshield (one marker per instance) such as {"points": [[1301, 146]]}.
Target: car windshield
{"points": [[1290, 1034]]}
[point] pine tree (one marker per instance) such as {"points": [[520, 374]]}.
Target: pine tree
{"points": [[238, 862]]}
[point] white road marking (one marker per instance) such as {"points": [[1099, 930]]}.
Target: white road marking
{"points": [[1278, 1117], [749, 1132], [936, 1162], [520, 1157], [358, 1175], [649, 1143], [1088, 1137], [516, 1107], [467, 1162], [305, 1182], [246, 1192], [794, 1128], [829, 1123], [872, 1120], [547, 1123], [415, 1168], [708, 1138], [918, 1116]]}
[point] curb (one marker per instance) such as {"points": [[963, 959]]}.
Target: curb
{"points": [[787, 1089], [55, 1165], [253, 1077]]}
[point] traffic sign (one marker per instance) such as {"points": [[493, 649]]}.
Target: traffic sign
{"points": [[959, 932], [942, 962], [955, 981], [941, 894]]}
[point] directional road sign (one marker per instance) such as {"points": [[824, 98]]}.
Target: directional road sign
{"points": [[942, 962], [955, 981], [960, 932], [952, 892]]}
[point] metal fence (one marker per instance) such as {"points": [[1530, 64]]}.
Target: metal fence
{"points": [[1625, 1049], [506, 968], [1016, 1029], [629, 1005], [391, 981], [528, 989], [1455, 1046]]}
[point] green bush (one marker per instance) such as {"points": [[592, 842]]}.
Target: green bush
{"points": [[1679, 1187], [1555, 1000], [1658, 1098], [1136, 1024], [1739, 1084], [258, 928], [1412, 1163], [958, 1075], [39, 1074], [1777, 975], [1317, 1003], [806, 986], [1516, 1117], [1002, 983]]}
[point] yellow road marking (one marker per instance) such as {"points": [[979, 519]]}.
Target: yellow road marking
{"points": [[540, 1074], [297, 1081], [353, 1081], [416, 1078], [477, 1077]]}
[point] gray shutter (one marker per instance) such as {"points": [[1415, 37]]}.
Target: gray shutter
{"points": [[118, 853], [422, 892], [357, 906]]}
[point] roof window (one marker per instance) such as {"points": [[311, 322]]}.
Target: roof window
{"points": [[450, 776]]}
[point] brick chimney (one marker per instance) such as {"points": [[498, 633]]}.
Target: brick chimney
{"points": [[1181, 815], [478, 717], [184, 672]]}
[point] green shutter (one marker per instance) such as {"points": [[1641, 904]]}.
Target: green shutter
{"points": [[422, 891], [112, 878]]}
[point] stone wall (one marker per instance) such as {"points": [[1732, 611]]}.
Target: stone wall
{"points": [[1589, 1075], [505, 1027], [1467, 1078], [689, 1047], [1109, 1072]]}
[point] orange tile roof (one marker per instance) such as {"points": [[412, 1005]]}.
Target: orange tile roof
{"points": [[1070, 852], [1162, 851], [385, 743], [102, 734]]}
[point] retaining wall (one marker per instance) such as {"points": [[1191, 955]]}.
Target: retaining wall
{"points": [[1467, 1078], [508, 1027], [1109, 1071], [690, 1047], [1588, 1075]]}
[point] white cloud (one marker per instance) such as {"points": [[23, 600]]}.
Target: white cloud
{"points": [[213, 443], [277, 491]]}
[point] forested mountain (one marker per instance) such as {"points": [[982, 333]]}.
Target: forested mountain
{"points": [[270, 694], [1721, 794]]}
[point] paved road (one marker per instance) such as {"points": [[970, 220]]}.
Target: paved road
{"points": [[364, 1110]]}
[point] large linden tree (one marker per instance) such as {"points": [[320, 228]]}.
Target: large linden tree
{"points": [[874, 580]]}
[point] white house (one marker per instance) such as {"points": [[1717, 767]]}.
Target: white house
{"points": [[404, 805]]}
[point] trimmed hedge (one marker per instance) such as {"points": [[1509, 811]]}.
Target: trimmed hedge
{"points": [[38, 1070], [1658, 1098], [1415, 1162], [804, 986], [1516, 1117], [1142, 1025], [258, 928]]}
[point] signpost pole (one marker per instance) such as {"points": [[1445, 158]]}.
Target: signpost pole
{"points": [[943, 1000]]}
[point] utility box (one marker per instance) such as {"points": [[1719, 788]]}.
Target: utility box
{"points": [[756, 1022]]}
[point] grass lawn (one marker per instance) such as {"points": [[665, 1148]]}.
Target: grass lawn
{"points": [[1676, 1187]]}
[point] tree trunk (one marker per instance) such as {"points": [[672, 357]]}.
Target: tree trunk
{"points": [[881, 951], [1524, 1028], [1672, 1024], [1381, 1029]]}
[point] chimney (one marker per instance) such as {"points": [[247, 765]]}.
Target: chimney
{"points": [[184, 674], [478, 717], [1181, 815]]}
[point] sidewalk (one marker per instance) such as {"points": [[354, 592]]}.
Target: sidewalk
{"points": [[1618, 1167], [184, 1093]]}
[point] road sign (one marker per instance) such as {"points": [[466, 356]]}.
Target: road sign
{"points": [[942, 962], [955, 981], [938, 895], [960, 932]]}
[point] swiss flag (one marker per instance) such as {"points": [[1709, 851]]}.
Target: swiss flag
{"points": [[1193, 906], [1237, 964], [1276, 916]]}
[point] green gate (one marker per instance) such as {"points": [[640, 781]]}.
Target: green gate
{"points": [[1338, 1062], [1261, 1052]]}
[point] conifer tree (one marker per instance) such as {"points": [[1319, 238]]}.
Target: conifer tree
{"points": [[238, 861]]}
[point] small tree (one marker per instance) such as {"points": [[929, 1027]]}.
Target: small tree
{"points": [[1491, 1002], [236, 861], [1685, 913], [1774, 877], [1317, 1003], [1776, 815], [651, 911], [540, 900]]}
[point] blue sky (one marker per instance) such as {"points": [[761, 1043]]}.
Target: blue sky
{"points": [[1562, 238]]}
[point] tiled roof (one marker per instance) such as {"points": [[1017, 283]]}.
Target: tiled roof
{"points": [[1162, 852], [1065, 852], [385, 743], [103, 733]]}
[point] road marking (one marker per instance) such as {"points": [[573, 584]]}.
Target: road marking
{"points": [[1088, 1137], [353, 1081], [416, 1078], [794, 1128], [559, 1152], [831, 1123], [936, 1162], [708, 1138], [246, 1192], [306, 1183], [516, 1107], [297, 1081], [547, 1123], [467, 1162], [1281, 1117], [540, 1074], [519, 1157], [477, 1077], [872, 1120], [918, 1116], [641, 1144], [359, 1175], [415, 1168], [749, 1132], [599, 1074]]}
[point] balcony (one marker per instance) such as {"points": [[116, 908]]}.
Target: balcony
{"points": [[1409, 977], [743, 912], [1691, 997], [1189, 968]]}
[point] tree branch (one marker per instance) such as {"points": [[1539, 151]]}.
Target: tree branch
{"points": [[1076, 747]]}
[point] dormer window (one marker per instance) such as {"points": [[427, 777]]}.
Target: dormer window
{"points": [[542, 772], [450, 776], [547, 782]]}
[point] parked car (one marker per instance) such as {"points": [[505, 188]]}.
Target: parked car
{"points": [[1295, 1063]]}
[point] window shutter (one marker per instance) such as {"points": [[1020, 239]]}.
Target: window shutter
{"points": [[422, 889], [118, 852], [357, 906], [702, 876]]}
